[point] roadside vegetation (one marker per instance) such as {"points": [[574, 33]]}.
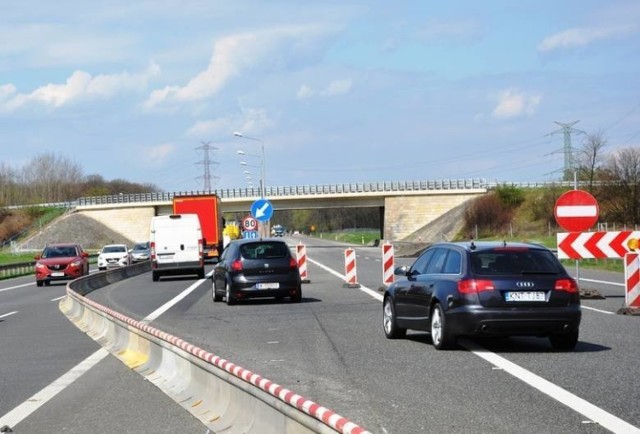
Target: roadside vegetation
{"points": [[505, 213]]}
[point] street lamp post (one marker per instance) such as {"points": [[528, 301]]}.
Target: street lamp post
{"points": [[264, 229], [262, 160]]}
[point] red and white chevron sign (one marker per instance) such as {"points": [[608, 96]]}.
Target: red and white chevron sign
{"points": [[584, 245]]}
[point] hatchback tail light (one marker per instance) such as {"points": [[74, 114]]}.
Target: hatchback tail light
{"points": [[567, 285], [293, 264], [236, 265], [474, 286]]}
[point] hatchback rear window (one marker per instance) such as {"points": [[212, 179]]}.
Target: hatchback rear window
{"points": [[516, 261], [264, 250]]}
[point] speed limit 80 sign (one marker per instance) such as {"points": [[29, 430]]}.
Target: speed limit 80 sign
{"points": [[249, 224]]}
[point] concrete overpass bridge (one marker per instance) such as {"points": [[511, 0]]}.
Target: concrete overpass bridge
{"points": [[404, 206]]}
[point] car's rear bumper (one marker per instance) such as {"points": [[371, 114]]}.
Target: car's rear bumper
{"points": [[241, 288], [503, 322]]}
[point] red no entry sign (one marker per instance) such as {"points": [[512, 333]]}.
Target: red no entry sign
{"points": [[576, 211]]}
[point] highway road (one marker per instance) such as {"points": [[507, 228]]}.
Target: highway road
{"points": [[330, 348]]}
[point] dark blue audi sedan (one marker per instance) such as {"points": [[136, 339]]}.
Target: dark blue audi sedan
{"points": [[484, 289]]}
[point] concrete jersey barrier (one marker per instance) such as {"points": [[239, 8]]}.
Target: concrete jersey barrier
{"points": [[223, 395]]}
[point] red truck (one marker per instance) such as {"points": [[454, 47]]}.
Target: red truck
{"points": [[207, 207]]}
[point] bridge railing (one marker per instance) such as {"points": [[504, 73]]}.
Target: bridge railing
{"points": [[296, 190]]}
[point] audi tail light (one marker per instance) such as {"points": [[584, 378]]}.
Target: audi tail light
{"points": [[567, 285], [474, 286]]}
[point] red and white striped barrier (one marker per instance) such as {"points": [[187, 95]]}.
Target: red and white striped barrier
{"points": [[301, 257], [350, 269], [585, 245], [632, 279], [387, 264]]}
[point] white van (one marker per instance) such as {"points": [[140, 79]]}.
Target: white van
{"points": [[176, 245]]}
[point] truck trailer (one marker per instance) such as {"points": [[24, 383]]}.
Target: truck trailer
{"points": [[207, 207]]}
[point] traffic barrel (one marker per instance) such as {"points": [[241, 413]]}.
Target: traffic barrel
{"points": [[350, 269], [632, 279], [387, 264], [301, 257]]}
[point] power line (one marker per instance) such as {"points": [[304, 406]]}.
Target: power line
{"points": [[567, 129], [207, 163]]}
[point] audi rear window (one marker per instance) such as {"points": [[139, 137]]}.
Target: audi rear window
{"points": [[264, 250], [515, 261]]}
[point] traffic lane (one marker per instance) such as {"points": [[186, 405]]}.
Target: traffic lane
{"points": [[603, 369], [138, 296], [110, 398], [37, 343], [330, 348]]}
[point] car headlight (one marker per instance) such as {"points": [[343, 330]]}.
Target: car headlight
{"points": [[77, 263], [39, 265]]}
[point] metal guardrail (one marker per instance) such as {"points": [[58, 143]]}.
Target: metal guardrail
{"points": [[306, 190], [14, 270], [18, 269], [296, 190]]}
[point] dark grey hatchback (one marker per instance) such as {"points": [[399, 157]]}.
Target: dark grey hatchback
{"points": [[250, 268], [484, 289]]}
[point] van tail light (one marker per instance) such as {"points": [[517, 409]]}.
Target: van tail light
{"points": [[236, 265], [567, 285], [152, 250], [474, 286], [293, 264]]}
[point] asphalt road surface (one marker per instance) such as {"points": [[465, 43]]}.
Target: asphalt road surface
{"points": [[330, 348]]}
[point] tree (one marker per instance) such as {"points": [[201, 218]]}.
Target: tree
{"points": [[621, 189], [589, 159]]}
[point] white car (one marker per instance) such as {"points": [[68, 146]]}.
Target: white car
{"points": [[114, 255]]}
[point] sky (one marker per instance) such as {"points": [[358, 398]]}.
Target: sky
{"points": [[323, 92]]}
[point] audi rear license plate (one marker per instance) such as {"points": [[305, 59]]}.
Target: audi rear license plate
{"points": [[525, 296], [274, 285]]}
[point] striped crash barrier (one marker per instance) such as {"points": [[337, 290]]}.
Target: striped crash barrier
{"points": [[216, 391]]}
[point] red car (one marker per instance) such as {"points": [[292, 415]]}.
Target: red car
{"points": [[61, 262]]}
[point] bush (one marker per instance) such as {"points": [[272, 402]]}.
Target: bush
{"points": [[488, 214]]}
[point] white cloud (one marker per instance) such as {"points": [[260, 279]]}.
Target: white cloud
{"points": [[158, 154], [579, 37], [305, 92], [512, 103], [79, 86], [250, 121], [336, 87], [231, 55]]}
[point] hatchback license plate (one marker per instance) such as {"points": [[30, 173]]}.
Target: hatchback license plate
{"points": [[274, 285], [524, 296]]}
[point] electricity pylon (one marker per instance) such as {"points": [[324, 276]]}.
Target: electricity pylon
{"points": [[206, 162]]}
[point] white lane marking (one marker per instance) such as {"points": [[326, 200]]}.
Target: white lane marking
{"points": [[58, 298], [16, 287], [596, 414], [565, 397], [597, 310], [8, 314], [22, 411], [602, 281], [168, 305], [362, 288]]}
